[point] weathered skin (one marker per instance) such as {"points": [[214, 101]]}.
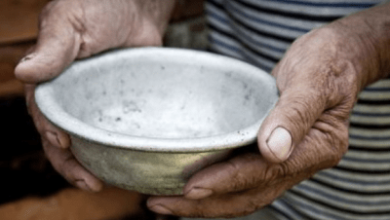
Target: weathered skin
{"points": [[319, 79], [72, 29]]}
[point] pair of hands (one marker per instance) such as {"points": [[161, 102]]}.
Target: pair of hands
{"points": [[307, 130]]}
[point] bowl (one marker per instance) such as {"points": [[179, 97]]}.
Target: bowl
{"points": [[147, 119]]}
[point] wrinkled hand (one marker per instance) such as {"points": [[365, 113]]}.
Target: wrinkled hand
{"points": [[307, 131], [72, 29]]}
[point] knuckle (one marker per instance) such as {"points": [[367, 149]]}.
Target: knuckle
{"points": [[337, 138], [301, 110], [339, 144], [274, 173], [237, 181], [244, 172], [331, 140]]}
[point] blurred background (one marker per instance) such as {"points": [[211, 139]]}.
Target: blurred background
{"points": [[29, 187]]}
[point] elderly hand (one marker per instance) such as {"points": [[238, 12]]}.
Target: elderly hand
{"points": [[72, 29], [307, 131]]}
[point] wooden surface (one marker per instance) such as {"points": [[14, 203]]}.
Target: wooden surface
{"points": [[18, 29], [74, 204], [9, 58], [19, 20]]}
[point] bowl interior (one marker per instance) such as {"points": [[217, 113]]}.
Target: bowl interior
{"points": [[165, 93]]}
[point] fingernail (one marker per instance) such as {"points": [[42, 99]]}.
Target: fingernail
{"points": [[160, 209], [82, 185], [53, 139], [280, 143], [26, 58], [198, 193]]}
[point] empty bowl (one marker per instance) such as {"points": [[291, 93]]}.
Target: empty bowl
{"points": [[147, 119]]}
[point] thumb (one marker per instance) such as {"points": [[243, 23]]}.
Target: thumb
{"points": [[289, 122], [57, 46]]}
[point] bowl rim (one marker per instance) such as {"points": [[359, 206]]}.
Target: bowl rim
{"points": [[48, 105]]}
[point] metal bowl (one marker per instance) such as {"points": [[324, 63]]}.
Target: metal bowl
{"points": [[146, 119]]}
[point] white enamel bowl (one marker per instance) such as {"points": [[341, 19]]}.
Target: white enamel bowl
{"points": [[146, 119]]}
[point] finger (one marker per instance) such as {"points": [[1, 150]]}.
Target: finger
{"points": [[54, 135], [65, 164], [288, 123], [57, 46], [322, 148], [242, 172], [221, 206]]}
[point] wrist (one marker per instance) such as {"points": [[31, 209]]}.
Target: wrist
{"points": [[364, 41]]}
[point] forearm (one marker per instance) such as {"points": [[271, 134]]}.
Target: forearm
{"points": [[367, 36]]}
